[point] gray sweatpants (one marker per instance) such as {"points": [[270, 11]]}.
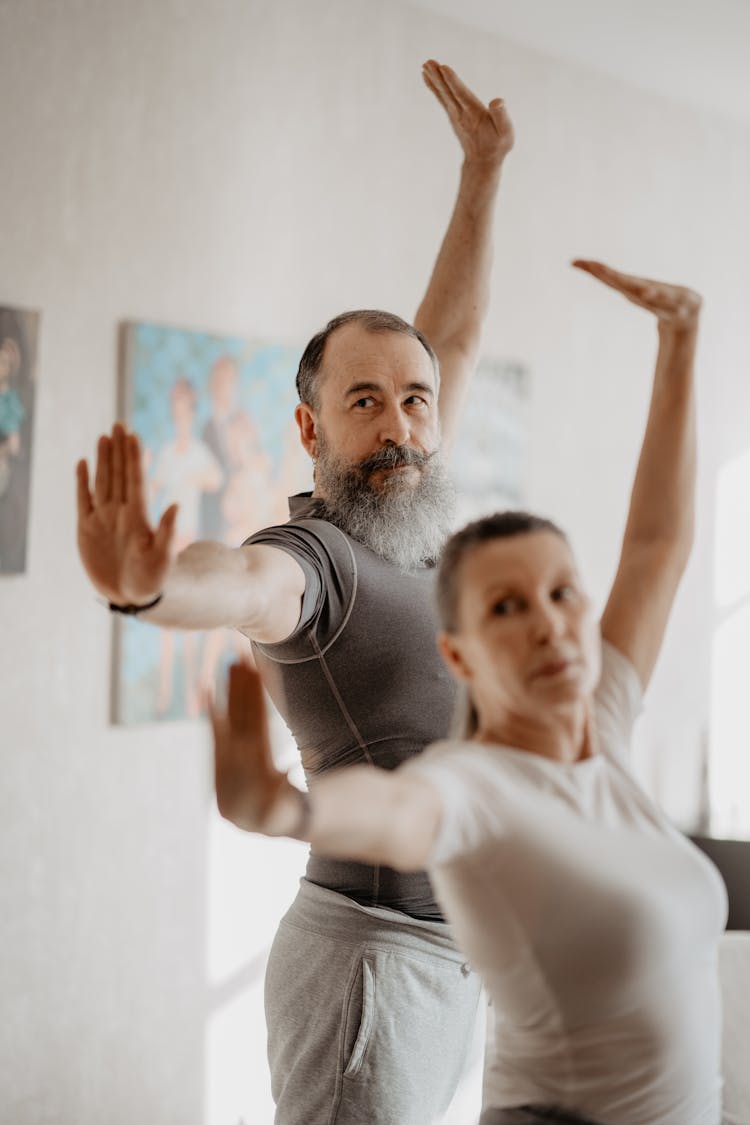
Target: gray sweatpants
{"points": [[370, 1014]]}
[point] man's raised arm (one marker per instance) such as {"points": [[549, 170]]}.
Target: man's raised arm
{"points": [[207, 585], [455, 304]]}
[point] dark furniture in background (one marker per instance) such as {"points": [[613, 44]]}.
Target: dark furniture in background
{"points": [[732, 857]]}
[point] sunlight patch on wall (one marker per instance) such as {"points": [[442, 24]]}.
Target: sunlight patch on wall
{"points": [[238, 1088]]}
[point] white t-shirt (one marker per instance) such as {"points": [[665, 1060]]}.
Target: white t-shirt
{"points": [[593, 922]]}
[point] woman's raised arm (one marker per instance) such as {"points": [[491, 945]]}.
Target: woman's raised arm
{"points": [[659, 531]]}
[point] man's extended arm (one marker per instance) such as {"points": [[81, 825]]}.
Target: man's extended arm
{"points": [[207, 585], [455, 304]]}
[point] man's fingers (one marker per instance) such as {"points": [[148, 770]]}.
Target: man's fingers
{"points": [[434, 78], [103, 477], [460, 92], [134, 472], [85, 503], [165, 531], [118, 463]]}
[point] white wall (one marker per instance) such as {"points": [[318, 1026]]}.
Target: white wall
{"points": [[252, 168]]}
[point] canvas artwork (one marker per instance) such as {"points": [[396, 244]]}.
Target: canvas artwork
{"points": [[487, 463], [18, 342], [215, 418]]}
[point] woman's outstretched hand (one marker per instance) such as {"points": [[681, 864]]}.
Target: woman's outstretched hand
{"points": [[250, 791], [676, 307]]}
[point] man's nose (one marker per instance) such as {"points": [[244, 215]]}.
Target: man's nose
{"points": [[394, 427]]}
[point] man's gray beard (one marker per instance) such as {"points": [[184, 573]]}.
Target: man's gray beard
{"points": [[403, 522]]}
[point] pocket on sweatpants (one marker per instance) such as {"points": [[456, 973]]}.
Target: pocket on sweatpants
{"points": [[360, 1016]]}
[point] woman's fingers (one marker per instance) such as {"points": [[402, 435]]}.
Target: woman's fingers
{"points": [[615, 278], [666, 301]]}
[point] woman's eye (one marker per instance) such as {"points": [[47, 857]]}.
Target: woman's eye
{"points": [[563, 593]]}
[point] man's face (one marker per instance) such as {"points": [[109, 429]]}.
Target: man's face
{"points": [[375, 439], [376, 390]]}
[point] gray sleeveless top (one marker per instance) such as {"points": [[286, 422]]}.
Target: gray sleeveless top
{"points": [[359, 681]]}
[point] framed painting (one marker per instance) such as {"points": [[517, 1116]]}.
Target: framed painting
{"points": [[215, 416], [18, 345], [487, 464]]}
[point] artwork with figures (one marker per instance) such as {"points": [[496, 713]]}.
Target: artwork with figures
{"points": [[215, 419], [18, 341]]}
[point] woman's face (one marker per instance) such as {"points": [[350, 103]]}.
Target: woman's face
{"points": [[526, 637]]}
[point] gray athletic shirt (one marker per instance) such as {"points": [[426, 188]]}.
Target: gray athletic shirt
{"points": [[360, 679]]}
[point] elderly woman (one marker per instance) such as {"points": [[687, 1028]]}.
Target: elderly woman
{"points": [[593, 922]]}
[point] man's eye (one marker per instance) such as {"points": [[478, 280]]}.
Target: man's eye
{"points": [[416, 400], [364, 402]]}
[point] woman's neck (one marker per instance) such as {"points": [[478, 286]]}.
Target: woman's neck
{"points": [[565, 734]]}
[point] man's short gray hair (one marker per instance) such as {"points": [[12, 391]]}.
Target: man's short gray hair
{"points": [[374, 320]]}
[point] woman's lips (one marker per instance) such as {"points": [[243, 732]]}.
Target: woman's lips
{"points": [[554, 668]]}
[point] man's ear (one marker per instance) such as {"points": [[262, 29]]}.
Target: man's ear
{"points": [[450, 650], [308, 433]]}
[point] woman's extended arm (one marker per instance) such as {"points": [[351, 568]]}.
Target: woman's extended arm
{"points": [[659, 530], [360, 813]]}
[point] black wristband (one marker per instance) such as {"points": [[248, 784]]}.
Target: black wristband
{"points": [[134, 610]]}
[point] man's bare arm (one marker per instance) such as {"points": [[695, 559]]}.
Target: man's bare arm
{"points": [[208, 585], [457, 298]]}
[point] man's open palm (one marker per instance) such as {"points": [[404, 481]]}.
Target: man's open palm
{"points": [[124, 556]]}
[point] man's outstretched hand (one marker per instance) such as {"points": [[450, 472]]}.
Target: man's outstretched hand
{"points": [[485, 131], [124, 556]]}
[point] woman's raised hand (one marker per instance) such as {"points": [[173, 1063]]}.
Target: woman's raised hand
{"points": [[675, 306], [124, 556]]}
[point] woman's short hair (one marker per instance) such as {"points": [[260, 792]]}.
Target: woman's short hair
{"points": [[499, 525]]}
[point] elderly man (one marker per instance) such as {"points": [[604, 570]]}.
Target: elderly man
{"points": [[369, 1008]]}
